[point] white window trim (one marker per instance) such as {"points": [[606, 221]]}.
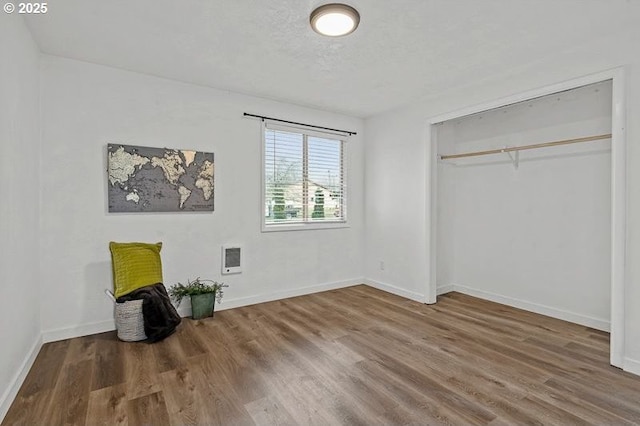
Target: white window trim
{"points": [[303, 226]]}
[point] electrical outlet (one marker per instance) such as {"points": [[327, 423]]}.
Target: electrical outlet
{"points": [[382, 265]]}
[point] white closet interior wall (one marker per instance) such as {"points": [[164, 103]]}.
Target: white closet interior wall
{"points": [[536, 236]]}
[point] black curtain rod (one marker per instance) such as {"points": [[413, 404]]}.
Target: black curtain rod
{"points": [[262, 117]]}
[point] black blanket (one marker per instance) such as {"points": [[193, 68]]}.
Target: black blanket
{"points": [[160, 317]]}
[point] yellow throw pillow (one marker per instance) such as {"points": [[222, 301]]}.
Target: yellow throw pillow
{"points": [[135, 265]]}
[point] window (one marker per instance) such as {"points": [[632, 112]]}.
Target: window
{"points": [[304, 179]]}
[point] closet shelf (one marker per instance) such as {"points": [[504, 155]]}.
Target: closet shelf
{"points": [[524, 147]]}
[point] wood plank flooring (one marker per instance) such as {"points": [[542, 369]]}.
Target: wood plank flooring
{"points": [[356, 356]]}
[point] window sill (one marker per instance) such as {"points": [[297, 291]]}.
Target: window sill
{"points": [[303, 226]]}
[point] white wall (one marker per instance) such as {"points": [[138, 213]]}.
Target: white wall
{"points": [[395, 175], [19, 204], [397, 172], [86, 106], [539, 235]]}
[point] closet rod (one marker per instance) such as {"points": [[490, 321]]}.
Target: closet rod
{"points": [[521, 148]]}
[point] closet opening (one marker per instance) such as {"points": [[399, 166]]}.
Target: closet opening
{"points": [[527, 203]]}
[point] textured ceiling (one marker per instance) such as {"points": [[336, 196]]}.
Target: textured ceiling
{"points": [[402, 50]]}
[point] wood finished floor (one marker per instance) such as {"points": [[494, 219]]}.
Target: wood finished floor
{"points": [[350, 356]]}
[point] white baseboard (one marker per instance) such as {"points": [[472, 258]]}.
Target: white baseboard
{"points": [[77, 331], [389, 288], [585, 320], [631, 366], [184, 310], [301, 291], [16, 381], [444, 289]]}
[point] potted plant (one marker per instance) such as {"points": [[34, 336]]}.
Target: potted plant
{"points": [[203, 294]]}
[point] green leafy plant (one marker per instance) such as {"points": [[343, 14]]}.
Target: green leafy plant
{"points": [[278, 199], [198, 286], [318, 207]]}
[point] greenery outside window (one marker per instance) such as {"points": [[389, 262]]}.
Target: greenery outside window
{"points": [[304, 182]]}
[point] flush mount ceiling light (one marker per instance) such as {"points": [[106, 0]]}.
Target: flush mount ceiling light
{"points": [[335, 19]]}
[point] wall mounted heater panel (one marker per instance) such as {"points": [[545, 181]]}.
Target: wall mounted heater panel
{"points": [[231, 259]]}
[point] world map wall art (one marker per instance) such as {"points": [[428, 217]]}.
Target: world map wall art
{"points": [[143, 179]]}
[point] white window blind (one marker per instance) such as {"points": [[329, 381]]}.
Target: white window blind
{"points": [[304, 178]]}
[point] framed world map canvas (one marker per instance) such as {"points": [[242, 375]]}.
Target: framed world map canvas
{"points": [[143, 179]]}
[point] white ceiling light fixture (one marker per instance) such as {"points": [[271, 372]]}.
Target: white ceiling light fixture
{"points": [[335, 19]]}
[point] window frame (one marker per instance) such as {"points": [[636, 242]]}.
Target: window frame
{"points": [[306, 225]]}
